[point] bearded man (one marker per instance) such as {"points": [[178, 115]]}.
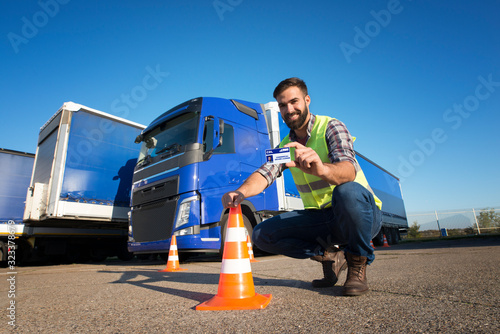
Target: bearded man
{"points": [[341, 213]]}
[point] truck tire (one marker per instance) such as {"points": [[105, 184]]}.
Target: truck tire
{"points": [[98, 255], [72, 255], [388, 235], [3, 255], [378, 240], [224, 221], [395, 235]]}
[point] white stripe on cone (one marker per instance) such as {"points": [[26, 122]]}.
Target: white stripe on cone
{"points": [[236, 234], [236, 266], [250, 250]]}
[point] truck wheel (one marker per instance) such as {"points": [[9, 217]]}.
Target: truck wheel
{"points": [[388, 235], [3, 255], [378, 240], [72, 256], [224, 222], [98, 255], [395, 235]]}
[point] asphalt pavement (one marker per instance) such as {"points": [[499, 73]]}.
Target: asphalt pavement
{"points": [[445, 286]]}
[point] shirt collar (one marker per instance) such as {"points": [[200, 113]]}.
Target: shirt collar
{"points": [[293, 136]]}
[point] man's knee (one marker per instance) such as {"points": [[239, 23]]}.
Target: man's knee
{"points": [[349, 192]]}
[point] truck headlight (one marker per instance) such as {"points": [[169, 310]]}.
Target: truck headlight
{"points": [[184, 210], [130, 234], [130, 230]]}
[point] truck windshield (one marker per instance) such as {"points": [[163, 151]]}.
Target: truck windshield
{"points": [[168, 138]]}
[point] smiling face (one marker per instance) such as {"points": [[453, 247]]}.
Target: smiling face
{"points": [[294, 108]]}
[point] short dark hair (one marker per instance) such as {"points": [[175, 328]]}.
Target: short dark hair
{"points": [[290, 82]]}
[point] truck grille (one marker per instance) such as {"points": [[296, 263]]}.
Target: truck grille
{"points": [[154, 221]]}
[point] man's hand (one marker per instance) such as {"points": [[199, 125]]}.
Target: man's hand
{"points": [[307, 160], [232, 199], [255, 184]]}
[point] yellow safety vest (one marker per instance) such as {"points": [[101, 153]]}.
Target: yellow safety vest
{"points": [[315, 192]]}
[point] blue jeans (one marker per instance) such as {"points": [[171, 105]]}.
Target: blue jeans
{"points": [[352, 221]]}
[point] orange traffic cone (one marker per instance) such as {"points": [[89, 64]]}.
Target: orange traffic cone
{"points": [[371, 244], [173, 258], [386, 244], [250, 250], [236, 289]]}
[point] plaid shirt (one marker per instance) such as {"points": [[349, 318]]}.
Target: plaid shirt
{"points": [[338, 140]]}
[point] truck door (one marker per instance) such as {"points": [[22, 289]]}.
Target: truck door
{"points": [[219, 171]]}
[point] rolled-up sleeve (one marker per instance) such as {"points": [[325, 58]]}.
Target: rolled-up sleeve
{"points": [[340, 143], [270, 172]]}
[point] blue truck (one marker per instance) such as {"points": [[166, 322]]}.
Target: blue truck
{"points": [[76, 198], [195, 152]]}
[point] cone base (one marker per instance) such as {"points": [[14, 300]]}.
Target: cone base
{"points": [[170, 270], [217, 303]]}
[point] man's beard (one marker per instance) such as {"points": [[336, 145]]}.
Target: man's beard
{"points": [[299, 122]]}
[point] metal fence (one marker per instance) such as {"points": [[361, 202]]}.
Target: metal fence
{"points": [[455, 222]]}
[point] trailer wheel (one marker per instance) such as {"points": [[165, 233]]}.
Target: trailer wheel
{"points": [[72, 256], [392, 235], [98, 255], [389, 235], [378, 240], [395, 235], [224, 222], [3, 255]]}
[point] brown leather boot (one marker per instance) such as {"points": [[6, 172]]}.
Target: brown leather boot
{"points": [[333, 262], [356, 283]]}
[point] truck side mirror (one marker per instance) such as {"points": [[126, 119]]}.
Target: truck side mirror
{"points": [[218, 133], [217, 127]]}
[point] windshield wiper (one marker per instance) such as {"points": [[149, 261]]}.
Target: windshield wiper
{"points": [[172, 149], [144, 161]]}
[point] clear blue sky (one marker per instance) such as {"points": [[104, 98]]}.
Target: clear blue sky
{"points": [[417, 82]]}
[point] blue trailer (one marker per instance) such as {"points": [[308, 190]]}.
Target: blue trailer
{"points": [[78, 196], [197, 151], [16, 168], [388, 189]]}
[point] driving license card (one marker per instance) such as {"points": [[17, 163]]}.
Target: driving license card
{"points": [[278, 155]]}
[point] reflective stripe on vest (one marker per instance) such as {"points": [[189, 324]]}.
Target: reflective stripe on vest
{"points": [[314, 191]]}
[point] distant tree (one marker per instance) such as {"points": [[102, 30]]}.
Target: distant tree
{"points": [[413, 231], [470, 230], [488, 218]]}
